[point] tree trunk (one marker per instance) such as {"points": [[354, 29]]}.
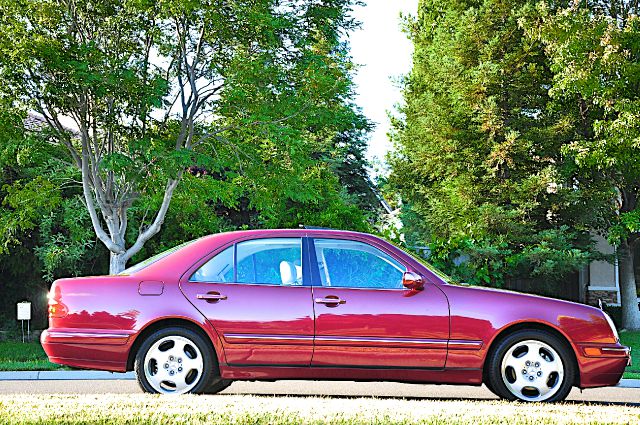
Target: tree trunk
{"points": [[628, 294], [117, 263]]}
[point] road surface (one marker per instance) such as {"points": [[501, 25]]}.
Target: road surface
{"points": [[318, 388]]}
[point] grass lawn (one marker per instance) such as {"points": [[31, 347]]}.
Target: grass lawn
{"points": [[248, 409], [28, 356], [632, 339]]}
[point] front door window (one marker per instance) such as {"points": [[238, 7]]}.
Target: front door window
{"points": [[352, 264]]}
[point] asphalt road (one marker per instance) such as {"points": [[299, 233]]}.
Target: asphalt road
{"points": [[319, 388]]}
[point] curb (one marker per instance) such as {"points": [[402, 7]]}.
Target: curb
{"points": [[96, 375], [65, 375], [629, 383]]}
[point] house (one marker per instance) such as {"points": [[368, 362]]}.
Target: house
{"points": [[600, 280]]}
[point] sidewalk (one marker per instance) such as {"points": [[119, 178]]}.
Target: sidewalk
{"points": [[95, 375], [66, 375]]}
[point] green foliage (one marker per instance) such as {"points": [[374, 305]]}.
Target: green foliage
{"points": [[256, 94], [594, 56], [595, 60], [272, 140], [478, 160], [25, 202], [66, 239]]}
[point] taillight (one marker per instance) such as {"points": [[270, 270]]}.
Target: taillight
{"points": [[57, 309]]}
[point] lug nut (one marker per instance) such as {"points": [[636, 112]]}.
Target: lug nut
{"points": [[537, 364], [179, 359], [172, 373], [539, 373], [524, 371], [166, 365], [179, 369], [170, 358], [528, 363], [530, 378]]}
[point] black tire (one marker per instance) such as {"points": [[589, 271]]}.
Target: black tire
{"points": [[487, 383], [210, 371], [217, 385], [495, 381]]}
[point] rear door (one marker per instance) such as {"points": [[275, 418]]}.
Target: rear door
{"points": [[364, 317], [256, 296]]}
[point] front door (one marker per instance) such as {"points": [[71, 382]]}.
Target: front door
{"points": [[254, 295], [366, 318]]}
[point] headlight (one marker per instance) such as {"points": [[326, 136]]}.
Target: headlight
{"points": [[612, 326]]}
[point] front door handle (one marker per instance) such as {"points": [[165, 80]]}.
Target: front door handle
{"points": [[330, 299], [211, 297]]}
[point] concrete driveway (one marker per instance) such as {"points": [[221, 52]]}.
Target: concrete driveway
{"points": [[319, 388]]}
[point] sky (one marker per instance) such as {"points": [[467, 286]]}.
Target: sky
{"points": [[383, 52]]}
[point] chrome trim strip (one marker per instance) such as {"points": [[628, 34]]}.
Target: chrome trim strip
{"points": [[615, 350], [63, 334], [382, 340], [461, 344], [453, 344], [269, 337]]}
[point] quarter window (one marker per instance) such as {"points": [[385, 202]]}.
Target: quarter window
{"points": [[351, 264], [217, 270]]}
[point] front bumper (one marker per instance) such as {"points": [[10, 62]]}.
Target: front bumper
{"points": [[602, 365]]}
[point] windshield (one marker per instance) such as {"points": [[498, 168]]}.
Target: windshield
{"points": [[146, 263], [426, 264]]}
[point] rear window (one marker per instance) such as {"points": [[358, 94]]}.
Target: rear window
{"points": [[146, 263]]}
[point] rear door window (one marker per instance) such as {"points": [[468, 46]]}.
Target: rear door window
{"points": [[276, 261], [271, 261]]}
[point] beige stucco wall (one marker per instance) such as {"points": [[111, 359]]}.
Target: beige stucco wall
{"points": [[601, 273]]}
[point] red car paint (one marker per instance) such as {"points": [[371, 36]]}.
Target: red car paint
{"points": [[441, 334]]}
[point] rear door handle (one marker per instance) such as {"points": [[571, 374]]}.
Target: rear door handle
{"points": [[330, 299], [211, 297]]}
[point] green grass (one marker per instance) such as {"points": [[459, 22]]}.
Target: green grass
{"points": [[249, 409], [632, 339], [28, 356]]}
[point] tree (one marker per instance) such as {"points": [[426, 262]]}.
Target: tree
{"points": [[596, 63], [243, 90], [478, 160]]}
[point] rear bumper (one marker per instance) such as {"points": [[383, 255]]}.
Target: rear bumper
{"points": [[101, 350], [602, 365]]}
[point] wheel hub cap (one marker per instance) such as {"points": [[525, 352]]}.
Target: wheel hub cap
{"points": [[173, 365], [532, 370]]}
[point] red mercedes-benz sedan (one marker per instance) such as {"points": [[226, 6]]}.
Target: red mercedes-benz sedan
{"points": [[322, 304]]}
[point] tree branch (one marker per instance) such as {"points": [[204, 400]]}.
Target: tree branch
{"points": [[154, 228], [88, 197]]}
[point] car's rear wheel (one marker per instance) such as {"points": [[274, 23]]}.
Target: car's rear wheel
{"points": [[176, 360], [531, 365], [217, 385]]}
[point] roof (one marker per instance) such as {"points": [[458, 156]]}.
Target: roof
{"points": [[35, 121], [184, 258]]}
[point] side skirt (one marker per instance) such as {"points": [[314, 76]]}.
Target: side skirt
{"points": [[462, 376]]}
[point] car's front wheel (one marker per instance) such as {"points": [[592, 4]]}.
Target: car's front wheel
{"points": [[531, 365], [175, 360]]}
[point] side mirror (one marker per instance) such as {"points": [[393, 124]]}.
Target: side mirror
{"points": [[413, 281]]}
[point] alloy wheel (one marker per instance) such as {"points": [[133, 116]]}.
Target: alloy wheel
{"points": [[173, 365], [532, 370]]}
